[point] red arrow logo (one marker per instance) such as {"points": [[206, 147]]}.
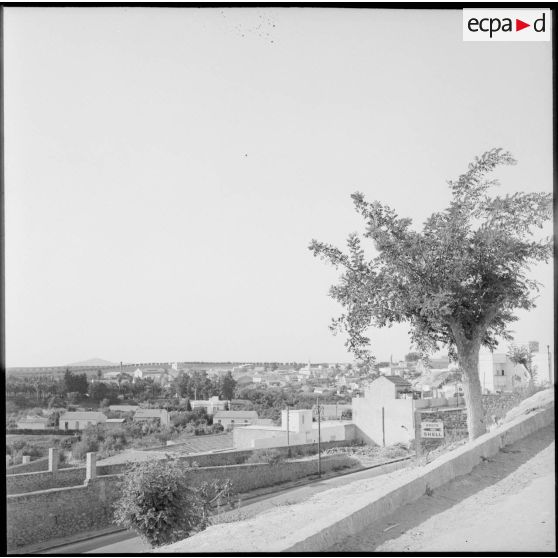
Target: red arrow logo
{"points": [[519, 25]]}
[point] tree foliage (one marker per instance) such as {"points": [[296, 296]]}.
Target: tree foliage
{"points": [[519, 354], [75, 382], [159, 503], [457, 282]]}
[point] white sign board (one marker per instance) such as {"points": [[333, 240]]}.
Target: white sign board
{"points": [[432, 429]]}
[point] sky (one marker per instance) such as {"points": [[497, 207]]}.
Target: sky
{"points": [[166, 169]]}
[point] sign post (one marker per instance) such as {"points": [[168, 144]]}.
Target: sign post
{"points": [[418, 444], [432, 429], [319, 440]]}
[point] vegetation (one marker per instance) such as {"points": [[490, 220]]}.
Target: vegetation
{"points": [[271, 456], [520, 354], [161, 506], [456, 283]]}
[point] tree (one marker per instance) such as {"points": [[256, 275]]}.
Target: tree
{"points": [[412, 357], [75, 382], [519, 354], [160, 504], [98, 391], [456, 283], [228, 385]]}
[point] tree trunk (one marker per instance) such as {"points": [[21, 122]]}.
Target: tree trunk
{"points": [[468, 357]]}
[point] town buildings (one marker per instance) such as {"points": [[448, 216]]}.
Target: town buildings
{"points": [[297, 427], [385, 415], [498, 373], [232, 419], [211, 405], [162, 415], [80, 420], [33, 422]]}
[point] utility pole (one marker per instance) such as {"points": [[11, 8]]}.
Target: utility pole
{"points": [[319, 440], [549, 365], [288, 433]]}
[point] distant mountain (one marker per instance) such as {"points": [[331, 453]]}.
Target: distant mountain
{"points": [[94, 362]]}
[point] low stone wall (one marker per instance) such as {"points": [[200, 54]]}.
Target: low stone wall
{"points": [[31, 467], [44, 480], [249, 477], [48, 514], [228, 457], [496, 405]]}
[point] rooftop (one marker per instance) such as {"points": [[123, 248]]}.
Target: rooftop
{"points": [[145, 413], [236, 414], [83, 415], [398, 381]]}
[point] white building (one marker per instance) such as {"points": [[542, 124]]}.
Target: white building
{"points": [[211, 405], [385, 415], [33, 423], [498, 373], [296, 428], [80, 420]]}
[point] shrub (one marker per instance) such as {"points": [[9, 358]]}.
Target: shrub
{"points": [[347, 414], [79, 449], [158, 503], [270, 456]]}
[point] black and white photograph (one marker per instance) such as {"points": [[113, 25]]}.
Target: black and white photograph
{"points": [[278, 278]]}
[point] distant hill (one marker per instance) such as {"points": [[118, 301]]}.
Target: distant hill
{"points": [[94, 362]]}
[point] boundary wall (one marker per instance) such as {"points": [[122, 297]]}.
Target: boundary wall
{"points": [[44, 479]]}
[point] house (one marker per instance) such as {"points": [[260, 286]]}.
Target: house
{"points": [[497, 373], [124, 408], [440, 363], [80, 420], [330, 412], [393, 369], [114, 422], [158, 375], [162, 415], [231, 419], [386, 413], [33, 422], [438, 383], [211, 405], [111, 377]]}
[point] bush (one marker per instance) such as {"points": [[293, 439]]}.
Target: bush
{"points": [[114, 441], [270, 456], [79, 449], [158, 503]]}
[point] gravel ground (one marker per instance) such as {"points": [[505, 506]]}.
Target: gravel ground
{"points": [[505, 504]]}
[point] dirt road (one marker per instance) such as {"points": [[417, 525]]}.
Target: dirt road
{"points": [[505, 504]]}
